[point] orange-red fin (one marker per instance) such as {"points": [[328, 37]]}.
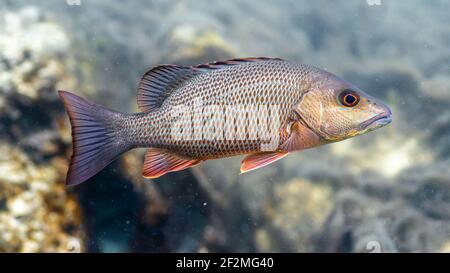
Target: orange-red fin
{"points": [[300, 138], [159, 162], [258, 160]]}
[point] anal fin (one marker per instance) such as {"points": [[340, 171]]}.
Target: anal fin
{"points": [[258, 160], [159, 162]]}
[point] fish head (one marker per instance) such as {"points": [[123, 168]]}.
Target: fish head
{"points": [[337, 110]]}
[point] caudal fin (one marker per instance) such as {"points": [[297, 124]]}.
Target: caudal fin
{"points": [[95, 136]]}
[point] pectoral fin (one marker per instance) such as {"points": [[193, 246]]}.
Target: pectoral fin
{"points": [[300, 138], [258, 160], [159, 162]]}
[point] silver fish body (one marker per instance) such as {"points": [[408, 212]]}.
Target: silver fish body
{"points": [[263, 107]]}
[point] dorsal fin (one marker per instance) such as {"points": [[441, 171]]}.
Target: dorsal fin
{"points": [[222, 64], [159, 82]]}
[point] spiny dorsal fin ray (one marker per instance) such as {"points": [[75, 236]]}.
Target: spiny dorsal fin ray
{"points": [[222, 64], [159, 83]]}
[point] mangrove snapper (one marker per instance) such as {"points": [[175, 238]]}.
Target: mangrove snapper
{"points": [[263, 107]]}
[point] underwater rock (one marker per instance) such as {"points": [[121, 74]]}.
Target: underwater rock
{"points": [[407, 214], [363, 224], [37, 212], [351, 226], [32, 67], [289, 226], [31, 62], [386, 191], [190, 44]]}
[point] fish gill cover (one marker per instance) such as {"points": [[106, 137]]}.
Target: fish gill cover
{"points": [[385, 191]]}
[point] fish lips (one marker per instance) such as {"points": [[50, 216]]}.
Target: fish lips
{"points": [[376, 122]]}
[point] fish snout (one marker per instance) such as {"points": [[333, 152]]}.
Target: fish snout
{"points": [[384, 110], [382, 117]]}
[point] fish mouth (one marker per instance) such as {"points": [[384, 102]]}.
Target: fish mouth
{"points": [[376, 122]]}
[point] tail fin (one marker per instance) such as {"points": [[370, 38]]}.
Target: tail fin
{"points": [[95, 136]]}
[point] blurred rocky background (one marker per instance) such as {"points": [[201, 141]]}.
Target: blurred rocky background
{"points": [[387, 191]]}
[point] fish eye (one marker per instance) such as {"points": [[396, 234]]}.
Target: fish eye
{"points": [[349, 98]]}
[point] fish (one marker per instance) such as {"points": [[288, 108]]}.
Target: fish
{"points": [[264, 108]]}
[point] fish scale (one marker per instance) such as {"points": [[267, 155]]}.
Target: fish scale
{"points": [[262, 107], [251, 84]]}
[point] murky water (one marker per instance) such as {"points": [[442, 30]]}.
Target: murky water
{"points": [[386, 191]]}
